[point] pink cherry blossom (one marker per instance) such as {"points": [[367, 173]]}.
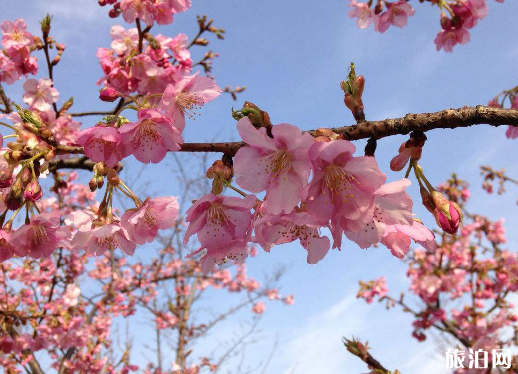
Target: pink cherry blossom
{"points": [[342, 185], [512, 132], [178, 46], [179, 5], [187, 96], [363, 12], [163, 14], [21, 57], [391, 206], [65, 130], [285, 228], [16, 34], [470, 11], [72, 293], [102, 144], [397, 15], [218, 220], [236, 250], [40, 237], [447, 39], [6, 249], [150, 137], [398, 237], [9, 71], [279, 165], [123, 40], [372, 289], [141, 9], [142, 224], [101, 238], [40, 94], [259, 307]]}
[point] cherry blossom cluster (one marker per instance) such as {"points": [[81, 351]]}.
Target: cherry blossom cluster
{"points": [[64, 307], [158, 128], [346, 194], [148, 11], [143, 66], [456, 17], [18, 44], [144, 63], [463, 286]]}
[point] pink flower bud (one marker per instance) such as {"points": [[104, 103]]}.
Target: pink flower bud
{"points": [[447, 214], [33, 191], [6, 178], [108, 94]]}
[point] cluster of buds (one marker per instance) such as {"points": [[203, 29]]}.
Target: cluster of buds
{"points": [[353, 89], [34, 125], [101, 171]]}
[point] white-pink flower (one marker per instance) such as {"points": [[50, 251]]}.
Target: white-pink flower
{"points": [[123, 40], [16, 34], [391, 205], [142, 224], [141, 9], [150, 137], [187, 96], [71, 295], [398, 237], [342, 185], [447, 39], [279, 165], [363, 12], [99, 239], [397, 14], [40, 237], [271, 230], [40, 94]]}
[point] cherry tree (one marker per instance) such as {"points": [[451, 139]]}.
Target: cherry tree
{"points": [[277, 185]]}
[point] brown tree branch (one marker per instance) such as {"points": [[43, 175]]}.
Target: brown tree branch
{"points": [[83, 163], [5, 100], [445, 119]]}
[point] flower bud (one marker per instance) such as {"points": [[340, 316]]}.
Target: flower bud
{"points": [[92, 184], [445, 22], [447, 213], [113, 177], [113, 13], [427, 199], [50, 154], [100, 181], [12, 201], [33, 191], [219, 170], [26, 176], [108, 94], [353, 89], [6, 177], [15, 146], [45, 25], [100, 169]]}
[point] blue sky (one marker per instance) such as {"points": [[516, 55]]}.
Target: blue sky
{"points": [[291, 55]]}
